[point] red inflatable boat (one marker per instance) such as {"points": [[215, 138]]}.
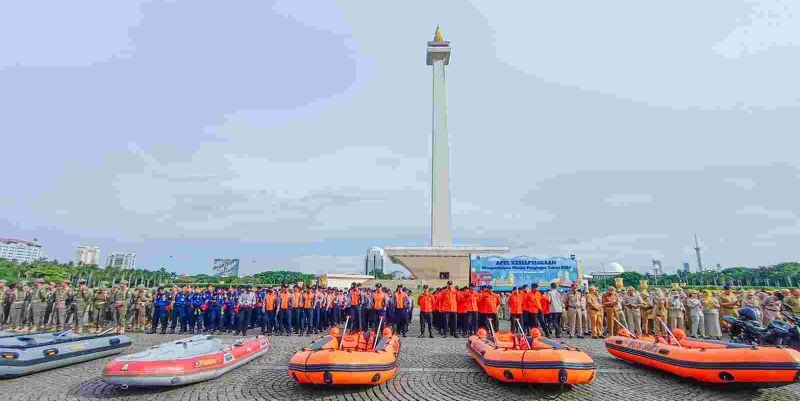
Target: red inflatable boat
{"points": [[190, 360]]}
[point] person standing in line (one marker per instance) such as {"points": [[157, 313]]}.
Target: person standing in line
{"points": [[425, 301], [556, 308], [515, 307], [160, 304], [595, 312], [462, 300], [448, 307], [247, 301], [632, 302], [675, 311], [711, 315], [574, 312], [354, 305], [609, 301], [696, 311], [401, 304], [530, 309]]}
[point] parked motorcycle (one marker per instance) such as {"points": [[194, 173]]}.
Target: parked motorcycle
{"points": [[748, 330]]}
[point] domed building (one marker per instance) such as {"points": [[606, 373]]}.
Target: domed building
{"points": [[608, 270]]}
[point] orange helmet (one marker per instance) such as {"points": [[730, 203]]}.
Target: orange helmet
{"points": [[482, 333], [679, 334], [335, 331], [535, 333], [625, 333], [388, 332]]}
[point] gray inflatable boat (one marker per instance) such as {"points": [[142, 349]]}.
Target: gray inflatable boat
{"points": [[23, 354]]}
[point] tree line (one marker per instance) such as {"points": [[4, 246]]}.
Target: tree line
{"points": [[56, 272], [785, 275]]}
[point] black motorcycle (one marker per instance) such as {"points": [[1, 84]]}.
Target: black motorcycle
{"points": [[748, 330]]}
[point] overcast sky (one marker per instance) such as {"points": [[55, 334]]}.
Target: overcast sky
{"points": [[295, 137]]}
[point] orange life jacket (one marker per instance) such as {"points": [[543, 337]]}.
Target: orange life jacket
{"points": [[269, 301], [400, 300], [355, 297], [378, 298], [297, 295], [285, 299], [331, 298], [308, 301]]}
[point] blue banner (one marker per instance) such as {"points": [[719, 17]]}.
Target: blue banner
{"points": [[505, 273]]}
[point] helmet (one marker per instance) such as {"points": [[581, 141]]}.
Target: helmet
{"points": [[679, 334], [748, 314], [535, 333]]}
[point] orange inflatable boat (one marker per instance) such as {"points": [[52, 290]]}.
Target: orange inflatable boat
{"points": [[350, 359], [708, 360], [511, 357]]}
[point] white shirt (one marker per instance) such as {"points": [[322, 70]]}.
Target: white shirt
{"points": [[556, 302]]}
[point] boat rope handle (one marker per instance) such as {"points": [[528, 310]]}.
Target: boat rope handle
{"points": [[377, 333], [344, 331], [670, 332], [626, 329], [523, 333]]}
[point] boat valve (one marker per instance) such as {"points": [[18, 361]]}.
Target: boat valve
{"points": [[124, 386]]}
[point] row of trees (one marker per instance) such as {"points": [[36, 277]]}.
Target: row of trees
{"points": [[780, 275], [94, 276]]}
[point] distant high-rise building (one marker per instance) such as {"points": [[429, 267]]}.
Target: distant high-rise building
{"points": [[87, 255], [20, 251], [124, 261], [375, 260]]}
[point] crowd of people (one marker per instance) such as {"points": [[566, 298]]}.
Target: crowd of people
{"points": [[447, 311], [599, 315]]}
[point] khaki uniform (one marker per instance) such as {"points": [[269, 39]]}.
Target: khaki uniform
{"points": [[633, 312], [609, 301], [647, 312], [729, 310], [659, 312], [36, 312], [20, 301], [675, 313], [595, 314], [574, 305], [794, 303]]}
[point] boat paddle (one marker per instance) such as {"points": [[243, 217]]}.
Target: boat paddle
{"points": [[346, 321], [670, 332]]}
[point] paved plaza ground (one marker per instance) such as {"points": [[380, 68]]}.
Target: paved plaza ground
{"points": [[431, 369]]}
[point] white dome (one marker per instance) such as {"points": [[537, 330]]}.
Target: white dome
{"points": [[613, 267]]}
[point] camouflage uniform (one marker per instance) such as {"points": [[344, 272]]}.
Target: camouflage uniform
{"points": [[99, 300], [140, 308], [83, 303], [5, 304], [20, 302], [122, 299], [38, 307], [60, 306]]}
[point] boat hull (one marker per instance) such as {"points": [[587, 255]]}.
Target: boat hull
{"points": [[180, 371], [712, 361], [19, 361], [540, 365], [323, 363]]}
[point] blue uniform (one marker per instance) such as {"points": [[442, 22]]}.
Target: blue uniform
{"points": [[181, 303], [231, 300], [207, 318], [160, 310], [196, 311], [214, 321]]}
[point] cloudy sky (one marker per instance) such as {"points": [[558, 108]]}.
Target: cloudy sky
{"points": [[295, 137]]}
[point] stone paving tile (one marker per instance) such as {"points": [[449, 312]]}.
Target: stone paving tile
{"points": [[431, 369]]}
